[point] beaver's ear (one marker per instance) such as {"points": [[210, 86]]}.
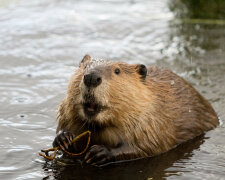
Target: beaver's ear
{"points": [[142, 70], [84, 61]]}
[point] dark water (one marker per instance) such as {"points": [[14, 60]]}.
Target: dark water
{"points": [[42, 42]]}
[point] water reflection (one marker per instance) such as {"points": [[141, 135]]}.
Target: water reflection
{"points": [[195, 39], [155, 167], [200, 9]]}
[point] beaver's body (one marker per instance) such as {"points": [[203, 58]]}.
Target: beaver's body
{"points": [[132, 111]]}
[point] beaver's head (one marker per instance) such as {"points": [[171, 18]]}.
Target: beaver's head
{"points": [[104, 91]]}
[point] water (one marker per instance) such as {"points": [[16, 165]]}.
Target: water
{"points": [[41, 44]]}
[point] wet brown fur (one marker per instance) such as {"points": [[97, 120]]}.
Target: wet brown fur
{"points": [[149, 116]]}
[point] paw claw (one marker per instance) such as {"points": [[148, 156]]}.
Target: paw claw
{"points": [[63, 140]]}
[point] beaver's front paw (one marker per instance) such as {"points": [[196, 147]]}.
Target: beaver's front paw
{"points": [[63, 140], [98, 155]]}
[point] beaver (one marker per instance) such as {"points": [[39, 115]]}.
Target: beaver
{"points": [[132, 111]]}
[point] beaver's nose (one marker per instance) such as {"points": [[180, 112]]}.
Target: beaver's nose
{"points": [[92, 80]]}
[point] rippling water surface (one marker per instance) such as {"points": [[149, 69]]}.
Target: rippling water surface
{"points": [[41, 44]]}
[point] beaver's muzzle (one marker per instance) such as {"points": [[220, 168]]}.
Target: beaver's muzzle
{"points": [[92, 79]]}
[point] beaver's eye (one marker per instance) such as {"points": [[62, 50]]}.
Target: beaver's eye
{"points": [[117, 71]]}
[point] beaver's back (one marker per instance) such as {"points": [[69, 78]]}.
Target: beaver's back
{"points": [[177, 100]]}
